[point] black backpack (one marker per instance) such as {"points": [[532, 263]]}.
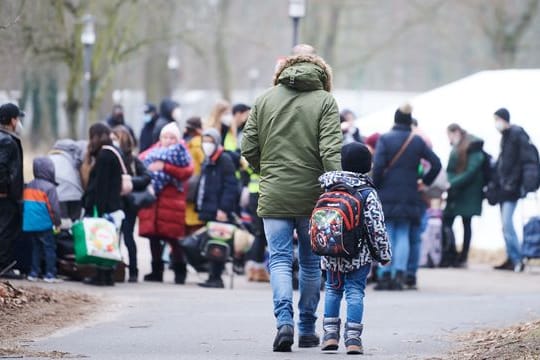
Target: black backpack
{"points": [[487, 168], [530, 170], [336, 224]]}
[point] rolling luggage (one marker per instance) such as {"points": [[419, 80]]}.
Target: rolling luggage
{"points": [[431, 254]]}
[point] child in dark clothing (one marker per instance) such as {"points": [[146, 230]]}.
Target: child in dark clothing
{"points": [[349, 275], [41, 215]]}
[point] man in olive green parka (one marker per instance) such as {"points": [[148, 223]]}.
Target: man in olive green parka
{"points": [[292, 137]]}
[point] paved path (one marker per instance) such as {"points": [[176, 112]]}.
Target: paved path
{"points": [[167, 321]]}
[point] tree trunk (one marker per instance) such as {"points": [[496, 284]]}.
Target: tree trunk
{"points": [[222, 62]]}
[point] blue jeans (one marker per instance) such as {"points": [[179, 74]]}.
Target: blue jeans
{"points": [[279, 233], [43, 246], [398, 233], [510, 237], [415, 243], [354, 285]]}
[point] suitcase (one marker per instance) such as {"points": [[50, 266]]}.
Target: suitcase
{"points": [[530, 249], [431, 254]]}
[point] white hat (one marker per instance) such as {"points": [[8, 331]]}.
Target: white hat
{"points": [[171, 128]]}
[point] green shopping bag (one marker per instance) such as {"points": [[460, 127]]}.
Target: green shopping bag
{"points": [[96, 241]]}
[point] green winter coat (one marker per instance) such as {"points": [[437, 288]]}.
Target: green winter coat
{"points": [[293, 136], [465, 193]]}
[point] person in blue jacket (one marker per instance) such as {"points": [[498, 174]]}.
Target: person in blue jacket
{"points": [[217, 193], [395, 174]]}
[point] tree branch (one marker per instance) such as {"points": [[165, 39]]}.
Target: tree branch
{"points": [[16, 19]]}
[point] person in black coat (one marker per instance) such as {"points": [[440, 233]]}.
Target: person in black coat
{"points": [[147, 132], [397, 179], [141, 178], [217, 193], [103, 185], [169, 111], [11, 184], [117, 118], [509, 176]]}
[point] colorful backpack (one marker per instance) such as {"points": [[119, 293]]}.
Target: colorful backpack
{"points": [[336, 224]]}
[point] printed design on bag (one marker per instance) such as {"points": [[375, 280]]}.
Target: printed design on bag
{"points": [[327, 229], [335, 224], [101, 239], [220, 231]]}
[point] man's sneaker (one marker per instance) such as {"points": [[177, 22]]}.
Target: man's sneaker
{"points": [[284, 339], [52, 280], [32, 277], [507, 265], [308, 341], [519, 267]]}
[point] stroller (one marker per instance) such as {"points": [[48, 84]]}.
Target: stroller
{"points": [[220, 242]]}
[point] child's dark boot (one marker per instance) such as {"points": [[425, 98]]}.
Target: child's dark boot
{"points": [[331, 328], [353, 341]]}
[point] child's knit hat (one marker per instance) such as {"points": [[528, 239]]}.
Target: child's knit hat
{"points": [[171, 128], [356, 157]]}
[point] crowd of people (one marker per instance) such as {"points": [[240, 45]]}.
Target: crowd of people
{"points": [[264, 163]]}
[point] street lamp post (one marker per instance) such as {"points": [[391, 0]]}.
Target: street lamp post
{"points": [[253, 75], [88, 39], [297, 10]]}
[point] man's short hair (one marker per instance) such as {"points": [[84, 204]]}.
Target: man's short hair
{"points": [[9, 111], [240, 108]]}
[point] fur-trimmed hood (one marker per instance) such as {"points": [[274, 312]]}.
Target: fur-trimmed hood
{"points": [[305, 72]]}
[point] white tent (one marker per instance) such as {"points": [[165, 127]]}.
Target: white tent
{"points": [[471, 103]]}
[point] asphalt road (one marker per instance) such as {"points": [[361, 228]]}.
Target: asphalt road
{"points": [[167, 321]]}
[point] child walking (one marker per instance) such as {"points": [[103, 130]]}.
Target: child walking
{"points": [[41, 214], [349, 275]]}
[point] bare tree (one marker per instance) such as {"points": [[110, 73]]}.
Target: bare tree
{"points": [[505, 24]]}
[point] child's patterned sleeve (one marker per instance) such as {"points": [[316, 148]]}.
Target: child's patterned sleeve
{"points": [[376, 228]]}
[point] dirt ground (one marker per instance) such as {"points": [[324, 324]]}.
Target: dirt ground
{"points": [[517, 342], [30, 312]]}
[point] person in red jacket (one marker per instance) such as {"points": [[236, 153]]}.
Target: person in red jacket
{"points": [[164, 221]]}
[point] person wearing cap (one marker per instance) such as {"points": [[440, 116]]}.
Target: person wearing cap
{"points": [[217, 193], [11, 185], [292, 137], [395, 174], [164, 221], [348, 276], [149, 122], [509, 178], [233, 136]]}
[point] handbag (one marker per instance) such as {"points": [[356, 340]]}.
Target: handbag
{"points": [[127, 184], [142, 199], [192, 184], [96, 241]]}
